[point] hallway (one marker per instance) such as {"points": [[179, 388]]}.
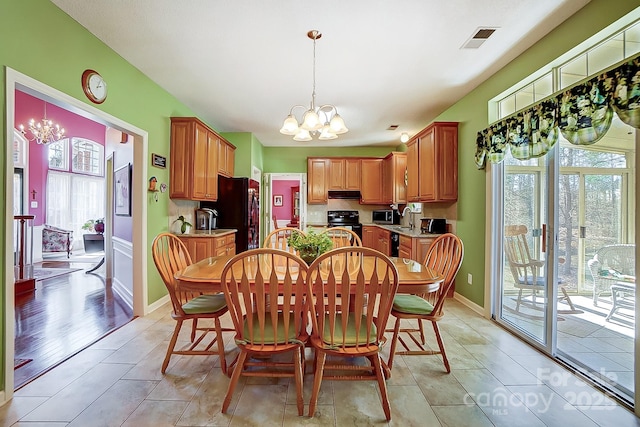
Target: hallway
{"points": [[65, 315]]}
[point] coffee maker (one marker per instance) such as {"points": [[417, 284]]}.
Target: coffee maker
{"points": [[206, 219]]}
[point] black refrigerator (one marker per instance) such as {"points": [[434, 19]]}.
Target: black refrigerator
{"points": [[238, 207]]}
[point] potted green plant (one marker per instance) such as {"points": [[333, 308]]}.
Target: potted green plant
{"points": [[310, 245], [94, 225], [183, 223]]}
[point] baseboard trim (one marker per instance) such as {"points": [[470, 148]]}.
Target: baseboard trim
{"points": [[157, 304], [468, 303]]}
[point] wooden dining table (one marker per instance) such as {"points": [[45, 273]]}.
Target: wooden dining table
{"points": [[205, 276]]}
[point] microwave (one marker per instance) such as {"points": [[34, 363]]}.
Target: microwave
{"points": [[388, 216]]}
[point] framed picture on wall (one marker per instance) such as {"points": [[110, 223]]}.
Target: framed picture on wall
{"points": [[277, 200], [122, 190]]}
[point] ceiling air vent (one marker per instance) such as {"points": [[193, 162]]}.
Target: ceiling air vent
{"points": [[481, 35], [392, 127]]}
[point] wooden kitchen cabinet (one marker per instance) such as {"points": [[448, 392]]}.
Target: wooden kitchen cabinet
{"points": [[371, 183], [193, 160], [404, 249], [369, 236], [384, 241], [394, 186], [344, 173], [376, 238], [225, 245], [226, 158], [432, 164], [201, 247], [317, 180]]}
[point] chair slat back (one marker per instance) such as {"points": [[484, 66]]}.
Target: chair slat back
{"points": [[170, 255], [352, 286], [343, 237], [524, 268], [260, 283], [277, 239], [444, 256]]}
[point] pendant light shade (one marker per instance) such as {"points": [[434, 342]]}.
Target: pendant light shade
{"points": [[323, 122]]}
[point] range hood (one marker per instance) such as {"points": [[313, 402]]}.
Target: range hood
{"points": [[344, 194]]}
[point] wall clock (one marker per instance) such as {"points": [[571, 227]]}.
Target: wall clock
{"points": [[94, 86]]}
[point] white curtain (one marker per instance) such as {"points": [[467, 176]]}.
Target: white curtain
{"points": [[72, 200]]}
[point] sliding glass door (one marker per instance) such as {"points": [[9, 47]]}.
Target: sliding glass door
{"points": [[567, 277], [524, 288]]}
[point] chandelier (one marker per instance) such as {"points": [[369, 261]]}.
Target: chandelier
{"points": [[44, 131], [323, 121]]}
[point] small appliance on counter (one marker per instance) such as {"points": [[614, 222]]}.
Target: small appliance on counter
{"points": [[206, 219], [433, 225], [388, 216]]}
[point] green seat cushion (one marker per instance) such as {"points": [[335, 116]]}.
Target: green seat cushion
{"points": [[268, 330], [350, 338], [411, 304], [205, 304]]}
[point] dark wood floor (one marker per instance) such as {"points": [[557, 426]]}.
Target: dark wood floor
{"points": [[63, 316]]}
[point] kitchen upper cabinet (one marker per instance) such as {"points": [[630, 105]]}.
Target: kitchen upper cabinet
{"points": [[193, 160], [432, 164], [317, 180], [394, 180], [226, 158], [344, 173], [371, 183], [412, 171]]}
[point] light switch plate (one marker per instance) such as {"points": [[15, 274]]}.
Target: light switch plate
{"points": [[34, 204]]}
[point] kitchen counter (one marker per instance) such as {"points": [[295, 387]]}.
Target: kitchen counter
{"points": [[404, 230], [218, 232]]}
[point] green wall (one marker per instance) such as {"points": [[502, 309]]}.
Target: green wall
{"points": [[472, 113], [54, 49]]}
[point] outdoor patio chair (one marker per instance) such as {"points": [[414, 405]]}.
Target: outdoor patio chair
{"points": [[527, 271], [613, 265]]}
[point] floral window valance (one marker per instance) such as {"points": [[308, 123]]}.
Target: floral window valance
{"points": [[582, 113]]}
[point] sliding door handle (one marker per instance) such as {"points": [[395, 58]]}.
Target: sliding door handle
{"points": [[544, 238], [583, 232]]}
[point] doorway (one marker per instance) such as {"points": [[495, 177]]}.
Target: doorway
{"points": [[138, 252], [285, 194], [560, 214]]}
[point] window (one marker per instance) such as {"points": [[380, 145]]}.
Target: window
{"points": [[611, 51], [72, 199], [87, 157], [59, 154]]}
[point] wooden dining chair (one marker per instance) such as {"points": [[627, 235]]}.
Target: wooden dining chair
{"points": [[170, 255], [342, 237], [350, 276], [277, 239], [252, 280], [444, 256]]}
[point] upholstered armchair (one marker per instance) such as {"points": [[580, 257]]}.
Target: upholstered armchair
{"points": [[56, 239]]}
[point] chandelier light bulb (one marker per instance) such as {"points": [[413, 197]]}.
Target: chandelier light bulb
{"points": [[326, 133], [44, 131], [290, 126], [311, 124], [303, 135]]}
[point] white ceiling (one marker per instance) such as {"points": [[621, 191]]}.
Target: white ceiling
{"points": [[242, 64]]}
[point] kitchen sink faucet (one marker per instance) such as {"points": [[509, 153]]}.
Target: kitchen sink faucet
{"points": [[404, 211]]}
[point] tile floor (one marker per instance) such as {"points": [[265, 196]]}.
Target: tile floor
{"points": [[495, 380]]}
